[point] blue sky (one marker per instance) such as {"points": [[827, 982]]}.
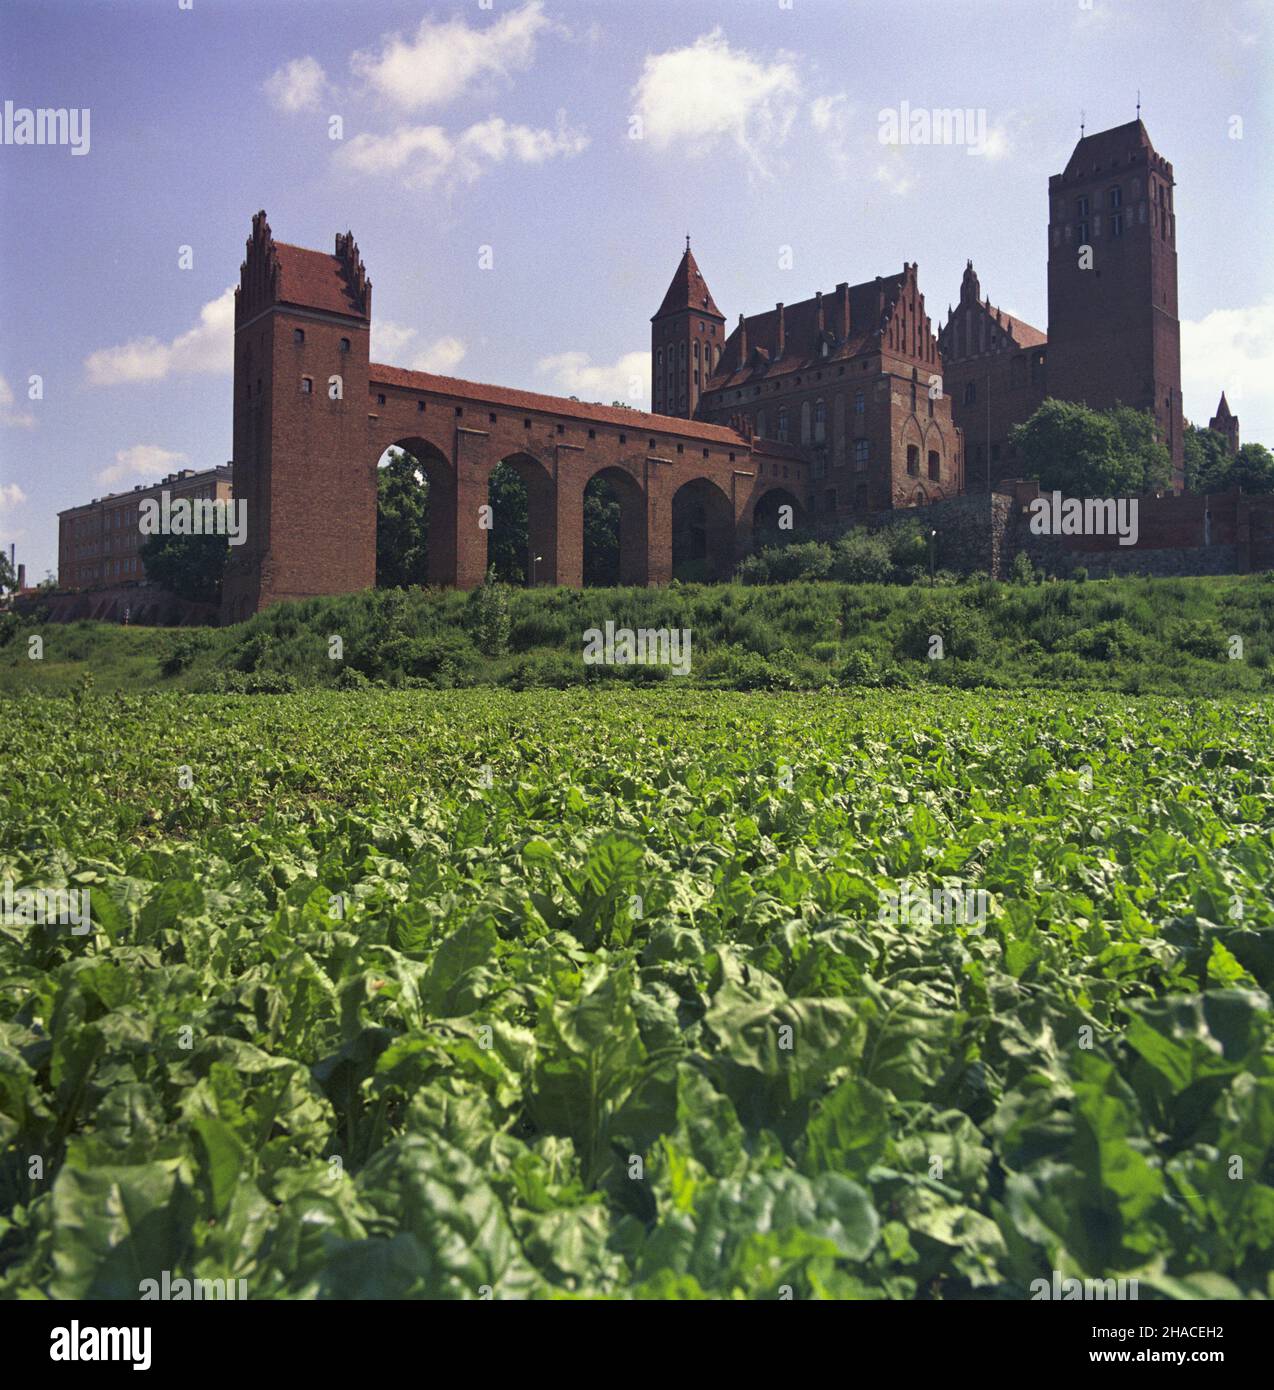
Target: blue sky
{"points": [[512, 125]]}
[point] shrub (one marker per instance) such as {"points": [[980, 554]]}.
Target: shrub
{"points": [[446, 658], [1022, 571], [862, 558], [487, 615], [185, 647], [860, 669], [351, 679], [551, 670], [808, 560], [754, 569]]}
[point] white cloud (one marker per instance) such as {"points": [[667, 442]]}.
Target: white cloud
{"points": [[296, 86], [391, 340], [10, 495], [893, 173], [626, 380], [208, 347], [832, 118], [1231, 350], [18, 419], [140, 462], [426, 155], [447, 56], [698, 97]]}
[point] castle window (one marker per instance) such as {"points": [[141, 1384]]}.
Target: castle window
{"points": [[459, 411], [705, 453], [760, 424], [696, 352], [820, 466], [805, 422], [420, 407], [307, 385], [970, 392], [681, 448], [491, 418], [1116, 224], [1115, 198], [858, 403], [344, 344], [731, 458], [526, 424], [862, 451], [380, 399], [783, 424], [659, 358], [623, 439], [652, 444], [1081, 208], [298, 335], [1083, 233], [701, 328], [913, 460], [561, 429], [820, 422], [935, 466], [592, 434]]}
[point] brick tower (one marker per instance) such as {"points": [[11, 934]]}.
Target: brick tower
{"points": [[1113, 333], [1227, 424], [302, 324], [686, 338]]}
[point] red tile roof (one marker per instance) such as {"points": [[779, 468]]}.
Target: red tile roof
{"points": [[314, 279], [689, 290], [637, 420], [1107, 147]]}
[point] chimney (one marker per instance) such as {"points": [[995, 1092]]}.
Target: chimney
{"points": [[743, 341], [842, 297], [782, 341], [22, 576], [818, 295]]}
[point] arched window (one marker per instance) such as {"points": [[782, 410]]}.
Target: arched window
{"points": [[805, 422], [344, 344], [307, 386], [298, 335], [696, 352], [659, 360], [820, 422], [858, 402], [760, 424], [782, 424], [970, 392]]}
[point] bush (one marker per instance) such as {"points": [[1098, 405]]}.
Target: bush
{"points": [[808, 560], [862, 558], [487, 616], [446, 658], [1022, 571], [860, 669], [248, 683], [351, 679], [185, 647], [754, 569], [738, 669], [550, 670]]}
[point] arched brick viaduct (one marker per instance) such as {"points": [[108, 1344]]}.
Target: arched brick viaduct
{"points": [[313, 415]]}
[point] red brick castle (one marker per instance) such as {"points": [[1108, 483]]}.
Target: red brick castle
{"points": [[834, 408]]}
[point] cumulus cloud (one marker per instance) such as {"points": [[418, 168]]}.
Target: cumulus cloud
{"points": [[1231, 350], [699, 97], [426, 155], [627, 379], [207, 347], [296, 86], [446, 57], [9, 413], [392, 341], [139, 463], [10, 495]]}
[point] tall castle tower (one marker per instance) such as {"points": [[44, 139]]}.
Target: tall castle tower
{"points": [[1113, 333], [302, 324], [686, 338]]}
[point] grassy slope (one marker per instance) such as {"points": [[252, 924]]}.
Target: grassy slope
{"points": [[1170, 636]]}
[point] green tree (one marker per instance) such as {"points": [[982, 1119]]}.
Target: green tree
{"points": [[402, 523], [1091, 453], [188, 566], [507, 552], [1207, 460], [601, 534], [1252, 469], [8, 580]]}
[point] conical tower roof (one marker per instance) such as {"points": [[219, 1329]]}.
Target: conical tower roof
{"points": [[689, 290]]}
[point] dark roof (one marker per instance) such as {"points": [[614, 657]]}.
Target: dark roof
{"points": [[1106, 147], [555, 405], [314, 279], [1223, 410], [689, 290]]}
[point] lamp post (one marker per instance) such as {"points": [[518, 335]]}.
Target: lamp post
{"points": [[534, 561], [933, 536]]}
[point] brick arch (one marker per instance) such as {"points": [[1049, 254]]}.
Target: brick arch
{"points": [[634, 555], [766, 504], [440, 474], [702, 531], [541, 514]]}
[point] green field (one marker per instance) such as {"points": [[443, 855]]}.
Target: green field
{"points": [[472, 993]]}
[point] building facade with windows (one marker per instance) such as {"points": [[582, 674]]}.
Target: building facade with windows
{"points": [[99, 543]]}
